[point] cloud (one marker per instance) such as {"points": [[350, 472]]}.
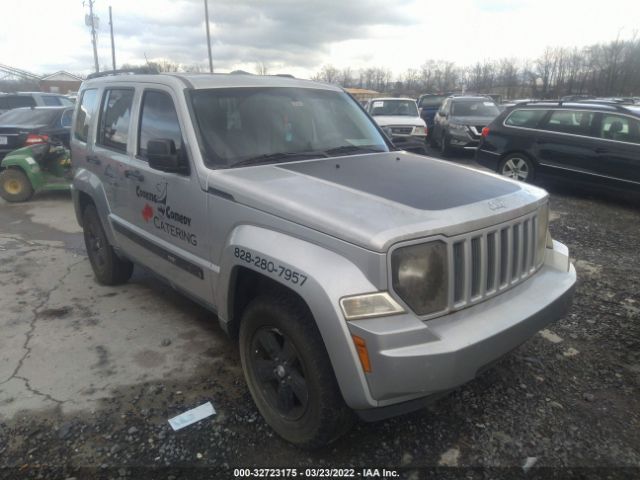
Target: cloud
{"points": [[298, 36], [288, 32]]}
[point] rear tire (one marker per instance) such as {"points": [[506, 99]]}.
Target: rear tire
{"points": [[15, 185], [289, 373], [518, 167], [108, 268]]}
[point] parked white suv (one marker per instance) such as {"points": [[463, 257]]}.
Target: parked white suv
{"points": [[399, 119], [356, 278]]}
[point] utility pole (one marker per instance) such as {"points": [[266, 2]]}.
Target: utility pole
{"points": [[206, 21], [93, 34], [113, 46]]}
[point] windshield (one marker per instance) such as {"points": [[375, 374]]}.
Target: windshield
{"points": [[240, 126], [432, 101], [28, 116], [405, 108], [474, 108]]}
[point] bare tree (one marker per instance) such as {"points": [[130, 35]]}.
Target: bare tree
{"points": [[261, 68]]}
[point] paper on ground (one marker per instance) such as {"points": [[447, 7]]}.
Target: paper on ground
{"points": [[192, 416]]}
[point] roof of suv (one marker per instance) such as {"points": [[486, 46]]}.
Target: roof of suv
{"points": [[388, 99], [456, 98], [582, 105], [212, 80]]}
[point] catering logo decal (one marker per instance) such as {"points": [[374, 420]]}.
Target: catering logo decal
{"points": [[174, 223]]}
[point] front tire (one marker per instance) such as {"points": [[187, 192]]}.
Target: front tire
{"points": [[108, 268], [289, 373], [518, 167], [15, 185]]}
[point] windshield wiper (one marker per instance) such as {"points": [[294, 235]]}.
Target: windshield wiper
{"points": [[277, 157], [352, 149]]}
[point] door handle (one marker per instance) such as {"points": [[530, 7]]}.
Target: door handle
{"points": [[134, 174], [602, 150], [93, 159]]}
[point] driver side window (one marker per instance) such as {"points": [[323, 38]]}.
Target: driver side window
{"points": [[158, 120], [619, 128]]}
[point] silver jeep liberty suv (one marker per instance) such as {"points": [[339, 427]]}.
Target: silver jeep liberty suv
{"points": [[356, 278]]}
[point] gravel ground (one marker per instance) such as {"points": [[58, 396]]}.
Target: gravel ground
{"points": [[564, 403]]}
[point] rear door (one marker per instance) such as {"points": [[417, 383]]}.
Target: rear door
{"points": [[112, 150], [565, 143]]}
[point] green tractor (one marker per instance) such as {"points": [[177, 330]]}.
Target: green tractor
{"points": [[36, 168]]}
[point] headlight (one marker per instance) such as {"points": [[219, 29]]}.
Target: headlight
{"points": [[369, 305], [419, 130], [419, 276], [543, 233]]}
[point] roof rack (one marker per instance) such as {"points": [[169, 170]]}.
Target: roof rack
{"points": [[139, 71], [617, 106]]}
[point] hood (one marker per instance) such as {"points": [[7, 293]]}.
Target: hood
{"points": [[403, 120], [375, 200], [473, 120]]}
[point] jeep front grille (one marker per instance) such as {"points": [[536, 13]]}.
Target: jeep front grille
{"points": [[488, 261]]}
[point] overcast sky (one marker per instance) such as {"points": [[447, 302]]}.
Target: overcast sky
{"points": [[298, 36]]}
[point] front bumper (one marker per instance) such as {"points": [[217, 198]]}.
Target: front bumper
{"points": [[412, 359], [464, 140]]}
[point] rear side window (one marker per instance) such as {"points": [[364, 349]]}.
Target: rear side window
{"points": [[622, 129], [574, 122], [86, 111], [51, 101], [525, 118], [158, 120], [113, 129], [28, 116], [20, 101]]}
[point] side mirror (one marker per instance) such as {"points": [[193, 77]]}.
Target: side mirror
{"points": [[162, 155]]}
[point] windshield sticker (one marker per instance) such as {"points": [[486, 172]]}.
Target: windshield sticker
{"points": [[488, 104], [378, 104], [163, 216]]}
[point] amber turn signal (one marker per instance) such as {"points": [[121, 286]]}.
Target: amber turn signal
{"points": [[363, 354]]}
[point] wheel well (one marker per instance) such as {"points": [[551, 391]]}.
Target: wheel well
{"points": [[245, 285], [84, 200]]}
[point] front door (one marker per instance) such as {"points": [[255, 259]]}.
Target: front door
{"points": [[619, 150], [166, 214]]}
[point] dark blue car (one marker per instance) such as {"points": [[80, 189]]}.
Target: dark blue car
{"points": [[428, 105]]}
